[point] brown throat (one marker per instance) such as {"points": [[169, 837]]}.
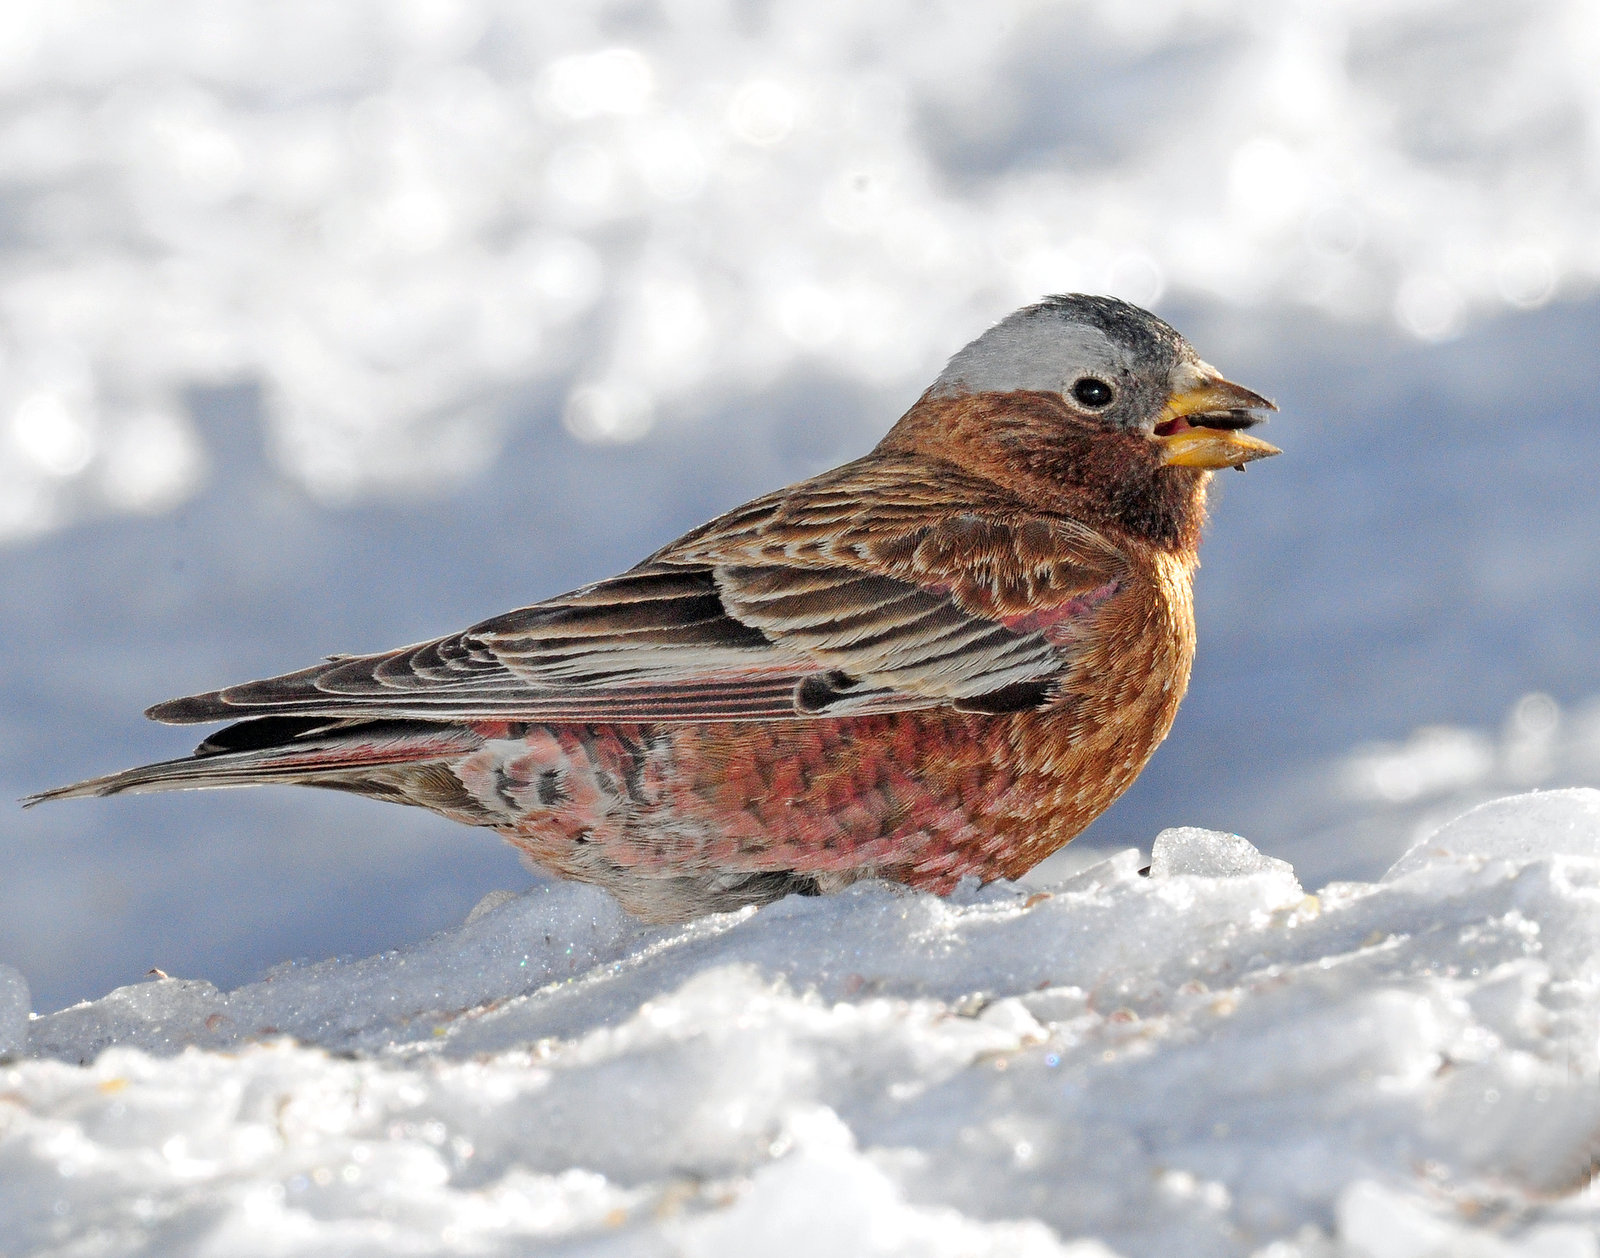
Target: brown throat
{"points": [[1053, 460]]}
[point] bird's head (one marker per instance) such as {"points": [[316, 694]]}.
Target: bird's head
{"points": [[1119, 368], [1092, 396]]}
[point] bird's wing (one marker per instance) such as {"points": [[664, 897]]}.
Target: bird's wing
{"points": [[810, 602]]}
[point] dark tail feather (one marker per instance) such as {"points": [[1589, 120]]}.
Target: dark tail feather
{"points": [[280, 749], [190, 773]]}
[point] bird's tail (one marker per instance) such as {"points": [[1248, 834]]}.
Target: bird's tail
{"points": [[304, 750]]}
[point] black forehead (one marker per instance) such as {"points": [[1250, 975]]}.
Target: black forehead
{"points": [[1150, 338]]}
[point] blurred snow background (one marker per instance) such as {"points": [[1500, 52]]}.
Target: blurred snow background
{"points": [[330, 326]]}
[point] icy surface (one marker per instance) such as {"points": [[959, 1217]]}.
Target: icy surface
{"points": [[1202, 1060]]}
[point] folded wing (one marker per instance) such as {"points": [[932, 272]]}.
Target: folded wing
{"points": [[892, 612]]}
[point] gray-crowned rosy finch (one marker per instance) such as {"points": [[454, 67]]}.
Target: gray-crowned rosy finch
{"points": [[944, 658]]}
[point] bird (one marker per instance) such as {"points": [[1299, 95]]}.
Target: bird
{"points": [[941, 660]]}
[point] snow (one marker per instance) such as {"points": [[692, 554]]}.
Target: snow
{"points": [[1200, 1059], [1520, 829]]}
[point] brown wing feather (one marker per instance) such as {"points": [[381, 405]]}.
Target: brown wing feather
{"points": [[876, 597], [938, 528]]}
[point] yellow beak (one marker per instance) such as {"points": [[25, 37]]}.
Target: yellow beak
{"points": [[1188, 440]]}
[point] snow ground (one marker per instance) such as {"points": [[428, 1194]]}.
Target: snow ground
{"points": [[1205, 1060]]}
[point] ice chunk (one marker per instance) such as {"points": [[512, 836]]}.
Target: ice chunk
{"points": [[1209, 854], [14, 1004], [1519, 829]]}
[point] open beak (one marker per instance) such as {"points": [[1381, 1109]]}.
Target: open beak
{"points": [[1203, 422]]}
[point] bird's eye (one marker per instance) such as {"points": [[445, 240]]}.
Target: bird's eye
{"points": [[1093, 392]]}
